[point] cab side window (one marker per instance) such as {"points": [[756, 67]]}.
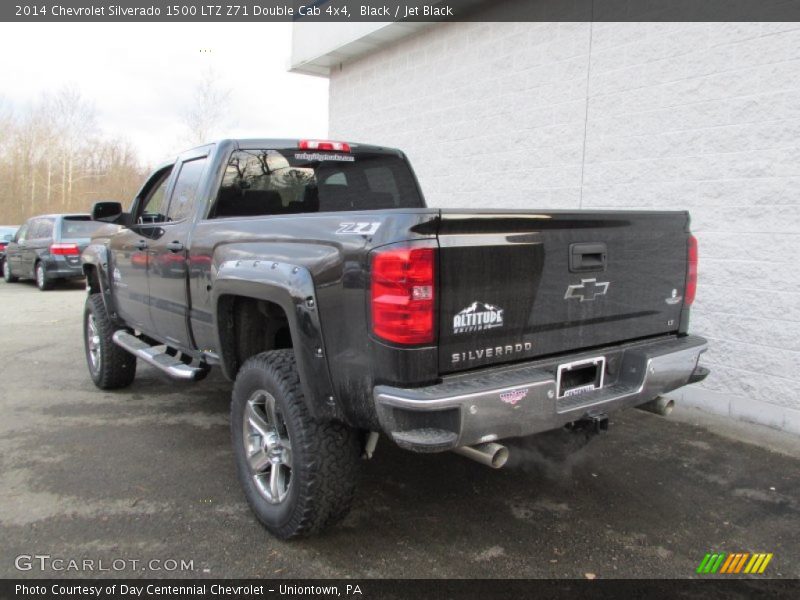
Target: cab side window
{"points": [[184, 196], [154, 202]]}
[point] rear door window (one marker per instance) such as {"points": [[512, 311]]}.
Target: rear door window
{"points": [[41, 229], [32, 232], [184, 196], [78, 227], [275, 182]]}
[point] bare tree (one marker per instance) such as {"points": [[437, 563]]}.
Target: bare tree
{"points": [[54, 158], [26, 145], [6, 123], [76, 124], [208, 111]]}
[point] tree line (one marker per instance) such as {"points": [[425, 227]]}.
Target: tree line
{"points": [[55, 159]]}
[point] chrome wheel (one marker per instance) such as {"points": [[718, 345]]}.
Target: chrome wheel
{"points": [[40, 276], [93, 343], [267, 447]]}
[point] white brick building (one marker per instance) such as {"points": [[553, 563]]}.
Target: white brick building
{"points": [[697, 116]]}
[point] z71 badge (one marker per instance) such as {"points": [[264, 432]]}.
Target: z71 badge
{"points": [[358, 228]]}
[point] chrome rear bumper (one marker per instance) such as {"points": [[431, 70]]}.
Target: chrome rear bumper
{"points": [[519, 400]]}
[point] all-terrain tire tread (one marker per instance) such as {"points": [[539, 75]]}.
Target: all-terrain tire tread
{"points": [[330, 471], [117, 366]]}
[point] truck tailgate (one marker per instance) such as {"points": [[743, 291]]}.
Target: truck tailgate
{"points": [[516, 285]]}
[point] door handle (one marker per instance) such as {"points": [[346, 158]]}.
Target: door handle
{"points": [[141, 245], [175, 246]]}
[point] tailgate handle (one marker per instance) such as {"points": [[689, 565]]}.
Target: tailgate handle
{"points": [[586, 257]]}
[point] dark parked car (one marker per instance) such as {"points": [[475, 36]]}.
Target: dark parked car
{"points": [[6, 235], [48, 248]]}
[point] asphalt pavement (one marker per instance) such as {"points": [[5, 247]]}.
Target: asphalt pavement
{"points": [[143, 479]]}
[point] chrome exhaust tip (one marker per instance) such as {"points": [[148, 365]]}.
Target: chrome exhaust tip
{"points": [[491, 454], [661, 406]]}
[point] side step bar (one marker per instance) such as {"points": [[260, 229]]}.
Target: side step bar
{"points": [[161, 360]]}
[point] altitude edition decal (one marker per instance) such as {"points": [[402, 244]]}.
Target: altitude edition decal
{"points": [[478, 316]]}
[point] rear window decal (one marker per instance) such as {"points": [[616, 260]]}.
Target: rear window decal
{"points": [[318, 156]]}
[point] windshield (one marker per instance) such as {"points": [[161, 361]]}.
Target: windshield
{"points": [[75, 228], [270, 182]]}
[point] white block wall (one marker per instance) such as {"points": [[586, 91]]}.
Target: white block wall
{"points": [[704, 117]]}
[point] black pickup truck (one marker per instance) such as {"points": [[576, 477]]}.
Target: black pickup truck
{"points": [[313, 274]]}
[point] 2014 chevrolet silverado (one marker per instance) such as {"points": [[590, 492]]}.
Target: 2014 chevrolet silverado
{"points": [[341, 306]]}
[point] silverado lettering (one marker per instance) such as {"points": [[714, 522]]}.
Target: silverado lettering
{"points": [[491, 352]]}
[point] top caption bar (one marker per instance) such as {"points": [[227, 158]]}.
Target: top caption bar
{"points": [[344, 11]]}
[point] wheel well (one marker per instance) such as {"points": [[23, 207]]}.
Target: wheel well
{"points": [[248, 326], [91, 278]]}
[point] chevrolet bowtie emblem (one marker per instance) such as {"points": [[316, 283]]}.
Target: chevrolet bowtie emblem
{"points": [[587, 290]]}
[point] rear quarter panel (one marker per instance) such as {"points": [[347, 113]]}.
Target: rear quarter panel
{"points": [[228, 255]]}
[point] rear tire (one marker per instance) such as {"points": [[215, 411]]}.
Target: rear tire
{"points": [[110, 367], [7, 276], [42, 282], [299, 475]]}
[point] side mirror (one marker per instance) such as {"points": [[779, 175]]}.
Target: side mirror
{"points": [[107, 212]]}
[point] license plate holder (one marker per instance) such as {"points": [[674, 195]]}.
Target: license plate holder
{"points": [[580, 376]]}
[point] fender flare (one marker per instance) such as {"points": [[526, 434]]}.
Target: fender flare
{"points": [[292, 288], [95, 257]]}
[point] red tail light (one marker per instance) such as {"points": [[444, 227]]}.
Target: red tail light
{"points": [[403, 294], [65, 249], [323, 145], [691, 272]]}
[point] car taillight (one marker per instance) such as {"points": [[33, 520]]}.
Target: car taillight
{"points": [[402, 295], [691, 272], [65, 249], [323, 145]]}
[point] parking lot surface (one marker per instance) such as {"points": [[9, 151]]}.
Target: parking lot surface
{"points": [[147, 473]]}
